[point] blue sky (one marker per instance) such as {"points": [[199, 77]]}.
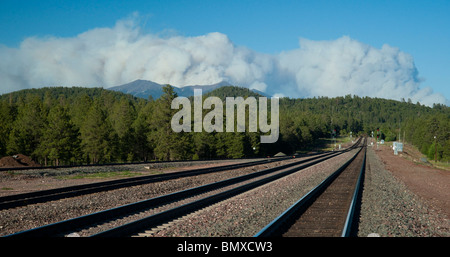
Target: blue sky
{"points": [[418, 28]]}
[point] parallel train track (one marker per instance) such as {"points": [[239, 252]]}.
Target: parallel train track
{"points": [[41, 196], [234, 186], [328, 210]]}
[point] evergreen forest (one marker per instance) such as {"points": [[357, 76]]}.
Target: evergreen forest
{"points": [[65, 126]]}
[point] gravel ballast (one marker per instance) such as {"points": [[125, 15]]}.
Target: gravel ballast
{"points": [[390, 209], [246, 214], [35, 215]]}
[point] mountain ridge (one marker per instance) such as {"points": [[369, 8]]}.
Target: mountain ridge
{"points": [[145, 88]]}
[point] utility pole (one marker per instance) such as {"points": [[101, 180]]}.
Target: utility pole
{"points": [[435, 150], [332, 128]]}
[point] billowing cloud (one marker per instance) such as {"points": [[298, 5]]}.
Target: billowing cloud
{"points": [[112, 56], [346, 66]]}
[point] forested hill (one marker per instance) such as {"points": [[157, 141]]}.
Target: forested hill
{"points": [[232, 91], [93, 125]]}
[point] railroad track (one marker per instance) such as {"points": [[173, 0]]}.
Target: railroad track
{"points": [[41, 196], [328, 210], [209, 194]]}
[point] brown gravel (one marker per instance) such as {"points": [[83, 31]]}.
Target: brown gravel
{"points": [[432, 184], [400, 198], [23, 181], [27, 217], [246, 214], [391, 207]]}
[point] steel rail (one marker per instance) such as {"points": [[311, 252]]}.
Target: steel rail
{"points": [[349, 229], [174, 213], [107, 164], [279, 224], [17, 200], [70, 225]]}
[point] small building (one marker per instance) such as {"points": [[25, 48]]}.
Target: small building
{"points": [[397, 147]]}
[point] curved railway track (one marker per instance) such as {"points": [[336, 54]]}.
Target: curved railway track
{"points": [[209, 194], [328, 209]]}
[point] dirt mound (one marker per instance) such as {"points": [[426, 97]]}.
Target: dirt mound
{"points": [[18, 160], [9, 161]]}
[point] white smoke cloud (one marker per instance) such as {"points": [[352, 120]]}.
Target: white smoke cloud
{"points": [[113, 56]]}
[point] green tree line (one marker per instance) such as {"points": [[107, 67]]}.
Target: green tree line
{"points": [[59, 126]]}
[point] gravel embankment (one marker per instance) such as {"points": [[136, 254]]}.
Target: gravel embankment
{"points": [[27, 217], [246, 214], [388, 207], [391, 210], [64, 171]]}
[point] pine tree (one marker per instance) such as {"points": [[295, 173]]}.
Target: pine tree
{"points": [[122, 117], [236, 145], [143, 147], [60, 140], [6, 121], [169, 145], [204, 146], [97, 137], [80, 107], [117, 127], [26, 130]]}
